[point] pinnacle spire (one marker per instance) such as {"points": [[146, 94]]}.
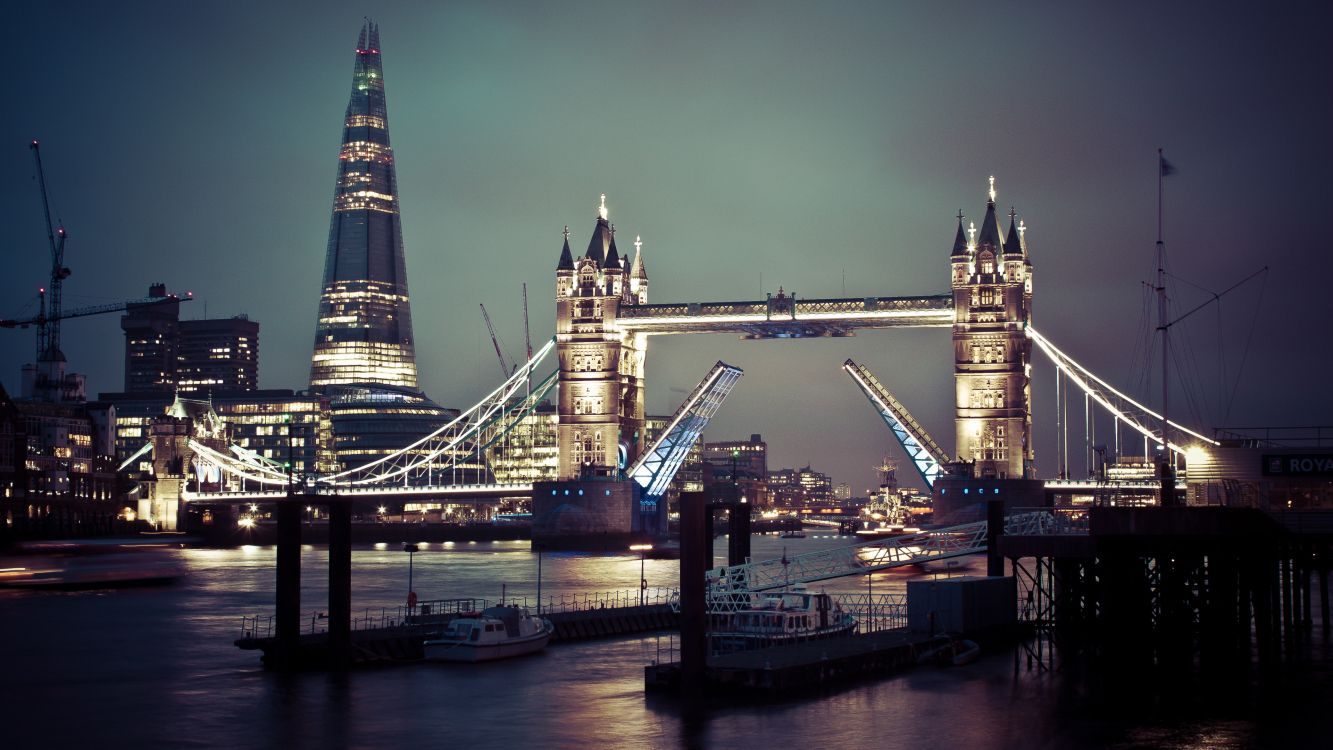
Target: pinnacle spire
{"points": [[566, 258], [612, 255], [600, 241], [960, 239], [637, 270], [990, 226], [1013, 242]]}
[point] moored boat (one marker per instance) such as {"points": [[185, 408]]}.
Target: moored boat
{"points": [[778, 618], [493, 633]]}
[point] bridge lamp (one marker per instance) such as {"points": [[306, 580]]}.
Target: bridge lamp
{"points": [[411, 549], [246, 522], [642, 549]]}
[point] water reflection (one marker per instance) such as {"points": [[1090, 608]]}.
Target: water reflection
{"points": [[158, 668]]}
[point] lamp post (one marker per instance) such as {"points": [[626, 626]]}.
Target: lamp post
{"points": [[410, 548], [642, 549]]}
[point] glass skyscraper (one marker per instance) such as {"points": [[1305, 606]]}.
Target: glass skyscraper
{"points": [[364, 335]]}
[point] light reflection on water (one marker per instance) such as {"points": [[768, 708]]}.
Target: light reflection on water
{"points": [[156, 667]]}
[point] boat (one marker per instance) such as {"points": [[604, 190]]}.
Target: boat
{"points": [[493, 633], [92, 565], [947, 650], [777, 619], [792, 535]]}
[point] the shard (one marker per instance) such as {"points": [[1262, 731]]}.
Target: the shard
{"points": [[364, 334]]}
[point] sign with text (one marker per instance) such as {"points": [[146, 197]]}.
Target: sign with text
{"points": [[1298, 465]]}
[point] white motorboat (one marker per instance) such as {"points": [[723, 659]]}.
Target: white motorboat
{"points": [[493, 633], [778, 618]]}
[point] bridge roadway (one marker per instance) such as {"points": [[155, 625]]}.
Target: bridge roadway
{"points": [[456, 492], [789, 317], [463, 492]]}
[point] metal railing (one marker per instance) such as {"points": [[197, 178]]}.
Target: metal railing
{"points": [[1051, 522], [427, 612]]}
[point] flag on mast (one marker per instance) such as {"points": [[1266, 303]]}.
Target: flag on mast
{"points": [[1167, 167]]}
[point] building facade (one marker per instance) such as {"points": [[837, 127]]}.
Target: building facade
{"points": [[601, 400], [167, 355], [992, 290], [217, 355], [364, 331], [151, 339]]}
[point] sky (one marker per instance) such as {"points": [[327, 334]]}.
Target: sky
{"points": [[821, 147]]}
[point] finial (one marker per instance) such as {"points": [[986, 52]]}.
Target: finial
{"points": [[971, 234], [1012, 214], [992, 188], [1021, 228], [601, 210], [960, 216], [566, 233], [638, 244]]}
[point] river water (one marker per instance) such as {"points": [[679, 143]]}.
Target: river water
{"points": [[156, 667]]}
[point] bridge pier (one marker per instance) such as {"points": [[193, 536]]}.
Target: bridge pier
{"points": [[287, 598], [738, 529], [340, 582], [695, 558]]}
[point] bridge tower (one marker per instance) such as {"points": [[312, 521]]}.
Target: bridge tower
{"points": [[992, 292], [601, 408]]}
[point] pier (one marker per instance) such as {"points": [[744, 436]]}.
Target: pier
{"points": [[395, 635]]}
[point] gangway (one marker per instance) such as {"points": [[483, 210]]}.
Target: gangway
{"points": [[658, 464], [926, 455], [859, 559]]}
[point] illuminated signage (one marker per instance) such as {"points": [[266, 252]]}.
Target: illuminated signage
{"points": [[1298, 465]]}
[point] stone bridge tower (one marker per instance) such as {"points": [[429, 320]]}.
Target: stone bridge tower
{"points": [[992, 292], [601, 407]]}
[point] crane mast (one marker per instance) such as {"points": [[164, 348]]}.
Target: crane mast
{"points": [[504, 365], [48, 323]]}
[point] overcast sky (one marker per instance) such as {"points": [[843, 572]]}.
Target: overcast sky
{"points": [[824, 147]]}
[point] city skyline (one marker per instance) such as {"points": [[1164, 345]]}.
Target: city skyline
{"points": [[832, 172]]}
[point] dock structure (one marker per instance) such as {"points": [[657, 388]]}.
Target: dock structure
{"points": [[1171, 589], [400, 641]]}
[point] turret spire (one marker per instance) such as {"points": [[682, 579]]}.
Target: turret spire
{"points": [[637, 270], [612, 255], [566, 258], [1013, 242], [990, 225], [960, 239]]}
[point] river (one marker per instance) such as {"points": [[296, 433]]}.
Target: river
{"points": [[156, 667]]}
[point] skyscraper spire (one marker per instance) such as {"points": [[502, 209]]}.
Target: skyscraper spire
{"points": [[364, 332]]}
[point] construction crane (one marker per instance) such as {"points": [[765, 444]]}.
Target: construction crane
{"points": [[44, 319], [527, 335], [48, 322], [505, 368]]}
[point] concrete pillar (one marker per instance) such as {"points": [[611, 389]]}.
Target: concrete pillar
{"points": [[994, 530], [738, 526], [340, 582], [288, 591], [693, 596]]}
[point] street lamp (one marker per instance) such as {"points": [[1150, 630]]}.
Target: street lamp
{"points": [[410, 548], [642, 549]]}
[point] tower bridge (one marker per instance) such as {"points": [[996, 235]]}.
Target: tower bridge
{"points": [[603, 323]]}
